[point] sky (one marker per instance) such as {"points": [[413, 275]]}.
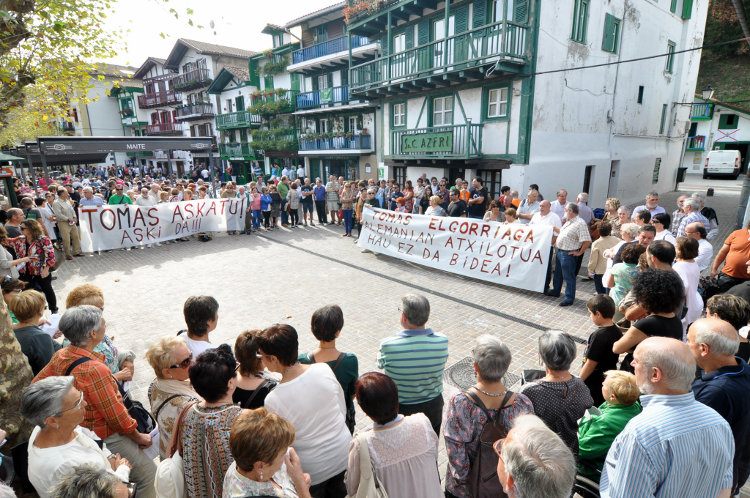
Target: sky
{"points": [[237, 23]]}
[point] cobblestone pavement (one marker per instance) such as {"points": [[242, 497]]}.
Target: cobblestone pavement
{"points": [[284, 275]]}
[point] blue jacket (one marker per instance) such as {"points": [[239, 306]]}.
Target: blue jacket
{"points": [[265, 202]]}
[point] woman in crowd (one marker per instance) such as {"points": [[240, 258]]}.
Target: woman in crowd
{"points": [[36, 344], [621, 277], [8, 262], [119, 362], [559, 398], [188, 195], [659, 293], [11, 288], [38, 247], [48, 215], [403, 450], [628, 233], [623, 217], [466, 417], [255, 206], [310, 397], [252, 384], [511, 216], [58, 444], [690, 273], [326, 324], [408, 192], [424, 202], [418, 195], [171, 391], [597, 262], [293, 203], [611, 207], [87, 481], [273, 191], [661, 222], [435, 208], [494, 213], [264, 463], [347, 207], [265, 206], [212, 377]]}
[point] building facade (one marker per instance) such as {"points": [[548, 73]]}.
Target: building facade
{"points": [[715, 125], [524, 91]]}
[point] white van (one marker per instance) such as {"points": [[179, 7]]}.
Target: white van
{"points": [[722, 162]]}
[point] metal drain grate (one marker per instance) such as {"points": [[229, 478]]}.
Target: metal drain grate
{"points": [[461, 375]]}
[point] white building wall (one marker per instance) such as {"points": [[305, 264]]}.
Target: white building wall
{"points": [[591, 116], [694, 160], [103, 113]]}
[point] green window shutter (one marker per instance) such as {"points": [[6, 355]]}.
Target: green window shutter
{"points": [[687, 9], [268, 82], [580, 21], [663, 119], [253, 70], [344, 77], [480, 13], [521, 11], [409, 37], [462, 18], [424, 55], [330, 80], [294, 77], [673, 6], [611, 33], [385, 43], [461, 43]]}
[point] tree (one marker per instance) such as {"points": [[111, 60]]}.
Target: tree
{"points": [[742, 18], [45, 51]]}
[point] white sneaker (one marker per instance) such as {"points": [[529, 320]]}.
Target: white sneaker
{"points": [[158, 244]]}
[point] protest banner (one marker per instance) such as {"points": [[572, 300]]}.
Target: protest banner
{"points": [[515, 255], [126, 225]]}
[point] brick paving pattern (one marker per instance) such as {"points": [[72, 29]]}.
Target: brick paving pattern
{"points": [[284, 275]]}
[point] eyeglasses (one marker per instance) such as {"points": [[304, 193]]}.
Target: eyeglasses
{"points": [[80, 400], [184, 363], [498, 446]]}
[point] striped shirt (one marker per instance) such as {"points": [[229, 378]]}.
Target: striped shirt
{"points": [[415, 360], [676, 448]]}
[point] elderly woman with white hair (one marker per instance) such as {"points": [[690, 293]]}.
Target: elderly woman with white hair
{"points": [[469, 411], [171, 391], [87, 481], [559, 398], [106, 413], [58, 444]]}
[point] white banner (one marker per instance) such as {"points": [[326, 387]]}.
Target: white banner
{"points": [[126, 225], [515, 255]]}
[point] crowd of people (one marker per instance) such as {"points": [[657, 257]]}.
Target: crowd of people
{"points": [[659, 406]]}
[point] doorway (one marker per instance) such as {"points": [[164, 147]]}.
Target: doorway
{"points": [[612, 187], [743, 148]]}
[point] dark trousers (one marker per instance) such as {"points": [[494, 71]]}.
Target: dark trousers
{"points": [[550, 262], [565, 271], [320, 208], [330, 488], [725, 282], [266, 219], [579, 261], [600, 289], [294, 215], [43, 285], [433, 409], [284, 215]]}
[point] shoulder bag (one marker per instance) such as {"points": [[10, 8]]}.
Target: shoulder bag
{"points": [[170, 472], [351, 415], [369, 484]]}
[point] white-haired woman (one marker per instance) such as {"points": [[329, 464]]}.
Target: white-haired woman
{"points": [[560, 398], [171, 391], [57, 444], [468, 411]]}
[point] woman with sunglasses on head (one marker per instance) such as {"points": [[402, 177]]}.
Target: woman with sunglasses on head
{"points": [[58, 444], [252, 384], [11, 287], [8, 261], [38, 247], [171, 391]]}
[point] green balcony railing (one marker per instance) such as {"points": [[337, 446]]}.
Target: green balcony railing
{"points": [[236, 150], [240, 119], [441, 142], [497, 42]]}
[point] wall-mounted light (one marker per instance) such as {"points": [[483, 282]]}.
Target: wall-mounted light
{"points": [[707, 93]]}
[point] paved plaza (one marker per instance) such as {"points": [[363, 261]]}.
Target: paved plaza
{"points": [[284, 275]]}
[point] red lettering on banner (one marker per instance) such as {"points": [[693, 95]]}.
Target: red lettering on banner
{"points": [[177, 213], [124, 236], [485, 230], [506, 235], [235, 205], [529, 237], [91, 221], [449, 242], [199, 212], [454, 259], [223, 203], [154, 219], [211, 209], [405, 248], [189, 211], [111, 215], [123, 212], [537, 256], [139, 217]]}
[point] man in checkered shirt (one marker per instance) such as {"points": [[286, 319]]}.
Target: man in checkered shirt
{"points": [[573, 240]]}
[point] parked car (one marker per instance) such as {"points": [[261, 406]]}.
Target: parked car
{"points": [[722, 163]]}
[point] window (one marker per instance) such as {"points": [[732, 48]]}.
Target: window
{"points": [[640, 94], [442, 111], [663, 119], [323, 81], [610, 40], [491, 179], [673, 6], [324, 125], [657, 167], [321, 34], [728, 122], [587, 178], [399, 114], [515, 10], [580, 21], [497, 103], [399, 43], [669, 65], [399, 174], [353, 124]]}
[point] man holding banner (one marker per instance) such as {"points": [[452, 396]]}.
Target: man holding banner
{"points": [[573, 241]]}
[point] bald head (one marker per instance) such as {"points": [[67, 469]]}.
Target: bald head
{"points": [[696, 230], [666, 366], [544, 207], [713, 342]]}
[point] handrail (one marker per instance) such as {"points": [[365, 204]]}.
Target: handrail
{"points": [[462, 145], [237, 119], [333, 95], [328, 47]]}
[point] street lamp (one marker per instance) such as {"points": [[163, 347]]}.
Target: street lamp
{"points": [[707, 93]]}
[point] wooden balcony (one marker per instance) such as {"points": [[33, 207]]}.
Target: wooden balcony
{"points": [[338, 95], [236, 151], [702, 112], [350, 143], [164, 129], [159, 99], [241, 119], [438, 142], [270, 102], [455, 59], [191, 80], [696, 143], [195, 111]]}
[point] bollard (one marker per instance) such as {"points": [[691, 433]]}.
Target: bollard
{"points": [[710, 192]]}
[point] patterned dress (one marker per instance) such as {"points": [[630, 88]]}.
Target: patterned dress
{"points": [[205, 448], [15, 375], [463, 425]]}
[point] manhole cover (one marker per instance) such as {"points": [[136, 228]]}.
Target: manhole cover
{"points": [[461, 375]]}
